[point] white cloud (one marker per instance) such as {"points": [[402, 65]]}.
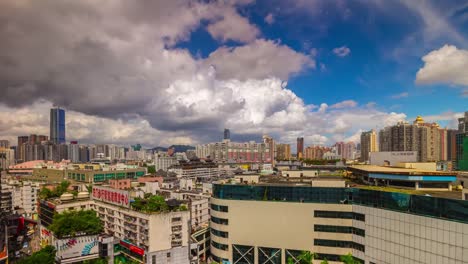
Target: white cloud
{"points": [[259, 59], [342, 51], [344, 104], [400, 95], [270, 19], [445, 65], [114, 67], [232, 26]]}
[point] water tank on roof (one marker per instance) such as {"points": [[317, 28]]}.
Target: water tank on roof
{"points": [[82, 195], [66, 197]]}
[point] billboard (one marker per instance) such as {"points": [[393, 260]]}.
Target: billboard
{"points": [[112, 196], [76, 247], [392, 158]]}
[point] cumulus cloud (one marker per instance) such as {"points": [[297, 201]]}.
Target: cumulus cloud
{"points": [[232, 26], [342, 51], [344, 104], [400, 95], [115, 67], [445, 65], [260, 59], [270, 19]]}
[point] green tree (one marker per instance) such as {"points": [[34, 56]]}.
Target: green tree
{"points": [[325, 261], [43, 256], [152, 169], [96, 261], [72, 222], [349, 259], [306, 257]]}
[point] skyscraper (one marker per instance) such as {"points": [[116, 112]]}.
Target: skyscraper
{"points": [[57, 125], [227, 133], [300, 147], [368, 144]]}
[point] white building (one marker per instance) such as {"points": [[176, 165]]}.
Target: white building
{"points": [[157, 237], [7, 157], [163, 161]]}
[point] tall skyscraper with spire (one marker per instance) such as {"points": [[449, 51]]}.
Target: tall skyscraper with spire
{"points": [[57, 125]]}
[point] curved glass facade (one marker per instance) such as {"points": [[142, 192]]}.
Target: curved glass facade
{"points": [[448, 209]]}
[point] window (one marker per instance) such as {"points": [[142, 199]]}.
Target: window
{"points": [[338, 214], [269, 255], [168, 255], [153, 259], [176, 219], [339, 229], [339, 243], [219, 208], [220, 221], [219, 233], [219, 246], [243, 254]]}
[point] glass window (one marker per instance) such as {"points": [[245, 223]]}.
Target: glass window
{"points": [[220, 208], [339, 229], [269, 255], [339, 243], [243, 254], [220, 221], [219, 233], [219, 246]]}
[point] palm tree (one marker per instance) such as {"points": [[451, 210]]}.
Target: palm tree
{"points": [[306, 257], [348, 259]]}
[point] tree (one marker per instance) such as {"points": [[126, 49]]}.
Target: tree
{"points": [[96, 261], [43, 256], [73, 222], [325, 261], [349, 259], [152, 169], [306, 257]]}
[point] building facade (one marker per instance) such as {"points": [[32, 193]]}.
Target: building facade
{"points": [[283, 152], [271, 224], [57, 125], [368, 144], [300, 148]]}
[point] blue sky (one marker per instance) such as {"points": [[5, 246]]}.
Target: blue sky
{"points": [[383, 62], [179, 72]]}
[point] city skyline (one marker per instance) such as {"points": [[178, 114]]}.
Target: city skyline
{"points": [[346, 68]]}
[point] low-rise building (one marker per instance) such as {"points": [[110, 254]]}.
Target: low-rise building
{"points": [[196, 169], [144, 236]]}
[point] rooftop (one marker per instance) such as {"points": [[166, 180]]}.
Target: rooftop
{"points": [[398, 170]]}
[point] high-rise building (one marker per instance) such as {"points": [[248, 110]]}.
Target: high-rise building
{"points": [[463, 123], [7, 158], [316, 152], [20, 147], [74, 152], [57, 125], [368, 144], [227, 133], [425, 138], [4, 144], [451, 145], [270, 152], [283, 152], [228, 151], [300, 147]]}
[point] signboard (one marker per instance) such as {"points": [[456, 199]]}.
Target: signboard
{"points": [[76, 247], [112, 196], [132, 248], [392, 158]]}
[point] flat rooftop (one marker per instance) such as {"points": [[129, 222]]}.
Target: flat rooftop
{"points": [[398, 170]]}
